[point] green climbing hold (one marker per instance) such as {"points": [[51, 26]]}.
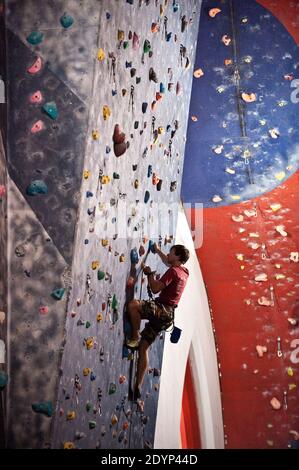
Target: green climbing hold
{"points": [[87, 324], [50, 109], [112, 388], [146, 46], [3, 379], [101, 275], [92, 424], [126, 44], [37, 187], [35, 37], [114, 303], [88, 406], [58, 293], [66, 20], [43, 407]]}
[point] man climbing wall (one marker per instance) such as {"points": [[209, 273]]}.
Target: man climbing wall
{"points": [[159, 311]]}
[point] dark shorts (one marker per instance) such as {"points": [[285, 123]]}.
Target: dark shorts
{"points": [[160, 316]]}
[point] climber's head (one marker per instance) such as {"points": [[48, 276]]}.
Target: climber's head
{"points": [[178, 255]]}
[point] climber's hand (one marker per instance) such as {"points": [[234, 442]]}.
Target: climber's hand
{"points": [[147, 270]]}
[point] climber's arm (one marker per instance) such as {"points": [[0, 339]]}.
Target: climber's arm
{"points": [[155, 285]]}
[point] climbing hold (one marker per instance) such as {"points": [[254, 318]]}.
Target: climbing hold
{"points": [[159, 185], [173, 186], [69, 445], [263, 301], [112, 388], [43, 310], [34, 38], [88, 406], [37, 187], [105, 242], [276, 405], [106, 112], [141, 250], [249, 97], [120, 35], [134, 167], [275, 207], [79, 435], [184, 23], [152, 75], [134, 256], [136, 41], [237, 218], [66, 20], [89, 343], [87, 324], [155, 28], [3, 379], [95, 265], [290, 372], [92, 424], [136, 184], [105, 179], [44, 408], [95, 134], [178, 89], [260, 350], [274, 133], [149, 171], [92, 376], [122, 258], [119, 141], [226, 40], [146, 196], [36, 97], [261, 277], [99, 317], [168, 37], [37, 127], [198, 73], [89, 194], [122, 379], [133, 72], [86, 174], [58, 293], [213, 12], [101, 275], [281, 231], [101, 54], [125, 45], [114, 420], [70, 415], [50, 109], [146, 46], [86, 371], [294, 256], [36, 67]]}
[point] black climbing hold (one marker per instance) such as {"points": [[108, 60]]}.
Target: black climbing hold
{"points": [[146, 196], [136, 124], [144, 107], [133, 72], [152, 75], [128, 65], [138, 80], [134, 167], [159, 185]]}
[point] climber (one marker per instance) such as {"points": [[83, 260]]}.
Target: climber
{"points": [[159, 311]]}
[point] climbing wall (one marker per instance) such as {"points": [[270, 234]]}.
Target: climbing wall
{"points": [[99, 96], [247, 175]]}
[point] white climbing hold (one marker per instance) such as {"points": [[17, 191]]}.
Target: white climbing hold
{"points": [[280, 230], [254, 246], [254, 235], [276, 405], [292, 321], [218, 150], [250, 213], [265, 302], [216, 198], [237, 218], [274, 133], [226, 40], [275, 207], [294, 256], [230, 171], [240, 256], [260, 350], [261, 277]]}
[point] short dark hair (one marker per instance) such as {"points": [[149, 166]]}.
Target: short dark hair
{"points": [[182, 252]]}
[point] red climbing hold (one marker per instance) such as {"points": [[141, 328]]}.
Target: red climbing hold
{"points": [[36, 97], [36, 67], [37, 127]]}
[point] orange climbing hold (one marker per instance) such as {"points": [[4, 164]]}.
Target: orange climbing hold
{"points": [[213, 12], [249, 97], [198, 73]]}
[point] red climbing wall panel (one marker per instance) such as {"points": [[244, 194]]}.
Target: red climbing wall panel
{"points": [[190, 433]]}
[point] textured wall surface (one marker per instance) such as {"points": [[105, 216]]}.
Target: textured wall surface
{"points": [[92, 211]]}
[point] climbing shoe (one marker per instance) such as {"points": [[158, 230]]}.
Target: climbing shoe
{"points": [[132, 343]]}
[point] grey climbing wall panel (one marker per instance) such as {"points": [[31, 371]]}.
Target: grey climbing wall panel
{"points": [[132, 53]]}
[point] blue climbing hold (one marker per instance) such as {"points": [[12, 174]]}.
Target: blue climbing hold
{"points": [[168, 128], [175, 6], [151, 246], [92, 376], [149, 171], [144, 107], [43, 407], [146, 196], [134, 256], [108, 149], [108, 15], [162, 88], [37, 187], [51, 109], [168, 37], [89, 194], [3, 379], [114, 92], [57, 294], [35, 38], [66, 20], [128, 65]]}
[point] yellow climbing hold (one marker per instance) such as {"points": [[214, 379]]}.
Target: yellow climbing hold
{"points": [[120, 35], [86, 371], [105, 179], [114, 419], [106, 112], [122, 258], [99, 317], [86, 174], [95, 265], [275, 207], [161, 130], [101, 54], [71, 415], [95, 134], [292, 386], [89, 343], [105, 242], [280, 176], [235, 197], [69, 445], [290, 371]]}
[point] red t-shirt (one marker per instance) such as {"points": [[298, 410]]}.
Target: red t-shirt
{"points": [[175, 280]]}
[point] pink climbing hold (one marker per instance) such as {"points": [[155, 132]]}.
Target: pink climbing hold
{"points": [[2, 190], [37, 97], [36, 67], [43, 310], [37, 127], [136, 41]]}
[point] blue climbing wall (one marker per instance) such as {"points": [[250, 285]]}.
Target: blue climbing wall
{"points": [[99, 98]]}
